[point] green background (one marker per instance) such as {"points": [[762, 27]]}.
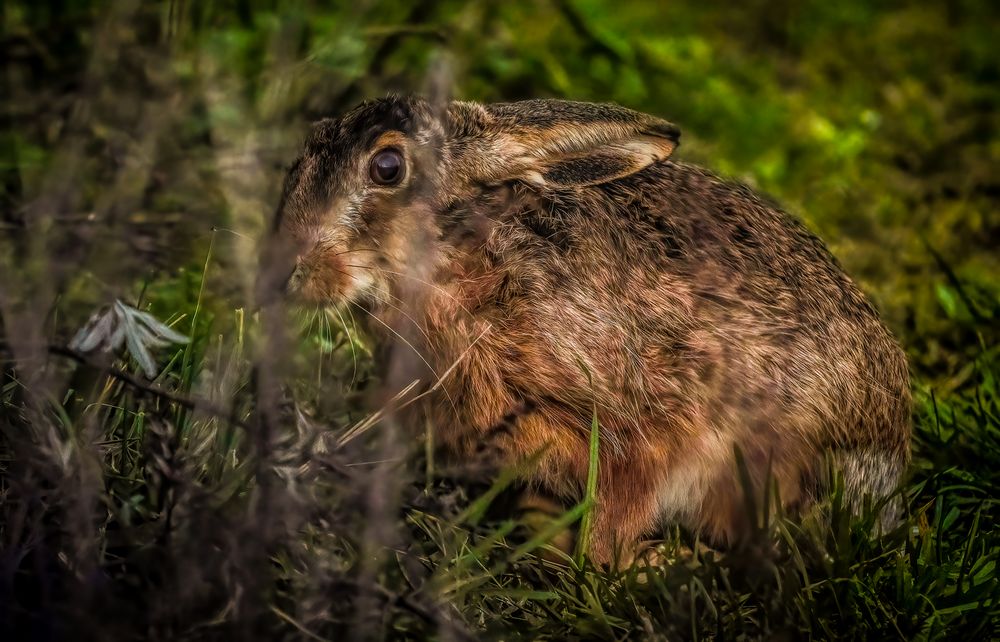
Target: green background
{"points": [[142, 148]]}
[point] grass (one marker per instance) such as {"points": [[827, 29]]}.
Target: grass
{"points": [[195, 518], [245, 490]]}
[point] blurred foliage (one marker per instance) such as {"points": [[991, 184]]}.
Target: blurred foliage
{"points": [[142, 147], [875, 122]]}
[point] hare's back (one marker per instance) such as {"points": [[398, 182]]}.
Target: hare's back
{"points": [[680, 285], [731, 242], [754, 287]]}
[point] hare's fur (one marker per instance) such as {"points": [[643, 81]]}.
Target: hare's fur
{"points": [[551, 259]]}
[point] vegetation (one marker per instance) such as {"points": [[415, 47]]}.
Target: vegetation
{"points": [[235, 485]]}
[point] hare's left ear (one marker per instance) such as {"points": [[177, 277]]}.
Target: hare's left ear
{"points": [[555, 143]]}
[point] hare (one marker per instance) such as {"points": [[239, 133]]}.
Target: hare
{"points": [[544, 260]]}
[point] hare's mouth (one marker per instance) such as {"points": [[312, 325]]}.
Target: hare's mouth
{"points": [[326, 279]]}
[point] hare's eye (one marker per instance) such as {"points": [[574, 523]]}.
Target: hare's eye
{"points": [[387, 167]]}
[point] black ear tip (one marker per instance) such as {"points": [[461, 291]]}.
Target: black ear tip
{"points": [[666, 130]]}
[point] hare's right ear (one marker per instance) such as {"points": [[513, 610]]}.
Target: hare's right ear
{"points": [[555, 143]]}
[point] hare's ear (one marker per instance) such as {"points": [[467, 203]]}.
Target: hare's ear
{"points": [[555, 142]]}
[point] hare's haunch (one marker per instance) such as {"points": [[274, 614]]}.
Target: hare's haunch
{"points": [[543, 258]]}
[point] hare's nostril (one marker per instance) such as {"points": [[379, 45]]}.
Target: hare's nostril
{"points": [[295, 278]]}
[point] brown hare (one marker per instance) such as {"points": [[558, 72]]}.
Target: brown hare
{"points": [[545, 258]]}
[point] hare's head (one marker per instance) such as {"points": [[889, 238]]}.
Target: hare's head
{"points": [[367, 196]]}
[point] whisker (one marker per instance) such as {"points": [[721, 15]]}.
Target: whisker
{"points": [[357, 249], [401, 337], [354, 322], [322, 326], [410, 276], [309, 319], [398, 309], [412, 320], [411, 346], [373, 419], [451, 368], [350, 340]]}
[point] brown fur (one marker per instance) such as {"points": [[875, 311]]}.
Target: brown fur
{"points": [[549, 256]]}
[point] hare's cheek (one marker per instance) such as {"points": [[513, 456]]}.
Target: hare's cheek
{"points": [[330, 279]]}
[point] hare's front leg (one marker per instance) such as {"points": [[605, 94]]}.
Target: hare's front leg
{"points": [[627, 505], [627, 509]]}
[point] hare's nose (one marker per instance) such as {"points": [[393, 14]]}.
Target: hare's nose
{"points": [[296, 278]]}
